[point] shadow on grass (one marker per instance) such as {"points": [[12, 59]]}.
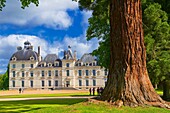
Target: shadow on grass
{"points": [[32, 105]]}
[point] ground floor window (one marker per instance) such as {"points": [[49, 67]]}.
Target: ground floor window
{"points": [[87, 82], [49, 83], [42, 82], [22, 83], [80, 82], [31, 83], [13, 83], [67, 83], [94, 82], [56, 83]]}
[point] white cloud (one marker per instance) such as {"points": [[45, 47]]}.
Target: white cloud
{"points": [[9, 44], [50, 13]]}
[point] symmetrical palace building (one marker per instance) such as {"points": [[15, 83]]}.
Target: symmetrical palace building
{"points": [[29, 71]]}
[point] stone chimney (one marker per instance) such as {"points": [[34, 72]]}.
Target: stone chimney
{"points": [[39, 54], [75, 55]]}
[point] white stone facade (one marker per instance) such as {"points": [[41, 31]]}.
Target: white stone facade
{"points": [[30, 71]]}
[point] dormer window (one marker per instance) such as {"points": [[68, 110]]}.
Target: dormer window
{"points": [[79, 64], [14, 58], [49, 65], [94, 63], [31, 58], [42, 65]]}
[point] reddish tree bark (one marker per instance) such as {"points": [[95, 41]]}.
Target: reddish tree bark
{"points": [[128, 79]]}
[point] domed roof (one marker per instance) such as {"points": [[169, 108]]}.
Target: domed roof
{"points": [[25, 54], [86, 58]]}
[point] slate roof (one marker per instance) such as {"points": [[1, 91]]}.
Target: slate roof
{"points": [[25, 54], [50, 58], [87, 58]]}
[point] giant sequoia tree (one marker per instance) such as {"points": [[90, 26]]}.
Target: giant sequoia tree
{"points": [[128, 80]]}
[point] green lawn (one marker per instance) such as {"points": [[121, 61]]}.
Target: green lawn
{"points": [[69, 106], [43, 95]]}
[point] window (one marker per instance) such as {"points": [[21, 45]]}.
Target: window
{"points": [[79, 72], [31, 83], [23, 65], [79, 64], [42, 73], [31, 74], [80, 82], [42, 65], [67, 65], [56, 83], [22, 83], [32, 65], [57, 64], [87, 82], [13, 66], [23, 74], [68, 74], [49, 65], [67, 83], [94, 63], [42, 82], [49, 73], [13, 73], [94, 72], [56, 72], [94, 82], [87, 72], [105, 72], [13, 83], [49, 83]]}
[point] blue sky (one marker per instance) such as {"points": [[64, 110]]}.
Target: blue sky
{"points": [[53, 25]]}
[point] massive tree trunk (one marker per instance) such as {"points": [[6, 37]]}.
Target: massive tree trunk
{"points": [[128, 79]]}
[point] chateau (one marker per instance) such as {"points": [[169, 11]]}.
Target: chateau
{"points": [[29, 70]]}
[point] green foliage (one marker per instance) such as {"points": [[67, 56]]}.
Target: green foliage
{"points": [[4, 80], [157, 41], [24, 3]]}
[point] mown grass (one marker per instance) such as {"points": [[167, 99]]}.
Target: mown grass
{"points": [[44, 95], [69, 106]]}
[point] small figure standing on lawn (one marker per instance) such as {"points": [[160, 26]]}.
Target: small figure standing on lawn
{"points": [[93, 91], [101, 90], [90, 90]]}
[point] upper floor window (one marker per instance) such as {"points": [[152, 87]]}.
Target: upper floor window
{"points": [[32, 65], [87, 72], [42, 73], [56, 72], [67, 65], [49, 73], [94, 63], [13, 73], [23, 74], [23, 65], [79, 64], [13, 66], [67, 72], [31, 74], [80, 72], [94, 72]]}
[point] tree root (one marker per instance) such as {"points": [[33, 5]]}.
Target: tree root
{"points": [[120, 103]]}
